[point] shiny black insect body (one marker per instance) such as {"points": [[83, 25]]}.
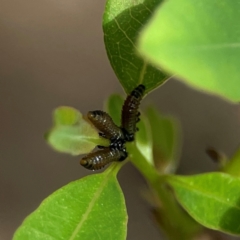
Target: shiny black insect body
{"points": [[118, 136], [104, 123], [108, 129], [99, 159], [130, 113]]}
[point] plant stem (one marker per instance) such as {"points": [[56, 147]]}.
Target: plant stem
{"points": [[174, 221]]}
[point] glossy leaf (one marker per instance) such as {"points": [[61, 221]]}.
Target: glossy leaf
{"points": [[199, 41], [212, 199], [90, 208], [122, 22], [72, 134], [166, 140]]}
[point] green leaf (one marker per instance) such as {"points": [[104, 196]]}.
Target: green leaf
{"points": [[90, 208], [66, 116], [72, 134], [233, 165], [199, 41], [122, 22], [212, 199], [143, 138], [113, 106], [166, 140]]}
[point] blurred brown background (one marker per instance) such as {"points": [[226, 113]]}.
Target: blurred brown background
{"points": [[51, 54]]}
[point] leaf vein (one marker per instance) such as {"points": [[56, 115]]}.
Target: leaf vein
{"points": [[90, 206]]}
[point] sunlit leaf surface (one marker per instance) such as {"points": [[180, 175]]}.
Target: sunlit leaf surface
{"points": [[72, 133], [122, 22], [90, 208], [199, 41], [212, 199]]}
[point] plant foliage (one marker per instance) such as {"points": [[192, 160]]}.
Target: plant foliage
{"points": [[198, 41]]}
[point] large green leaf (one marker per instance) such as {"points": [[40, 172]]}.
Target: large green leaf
{"points": [[212, 199], [199, 41], [72, 133], [90, 208], [122, 22]]}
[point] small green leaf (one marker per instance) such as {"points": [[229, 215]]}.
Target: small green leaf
{"points": [[199, 41], [212, 199], [90, 208], [144, 139], [113, 106], [166, 140], [66, 116], [72, 134], [122, 22], [233, 165]]}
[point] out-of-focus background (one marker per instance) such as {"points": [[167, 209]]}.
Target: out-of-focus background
{"points": [[51, 54]]}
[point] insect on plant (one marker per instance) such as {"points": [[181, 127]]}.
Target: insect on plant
{"points": [[118, 136], [143, 46]]}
